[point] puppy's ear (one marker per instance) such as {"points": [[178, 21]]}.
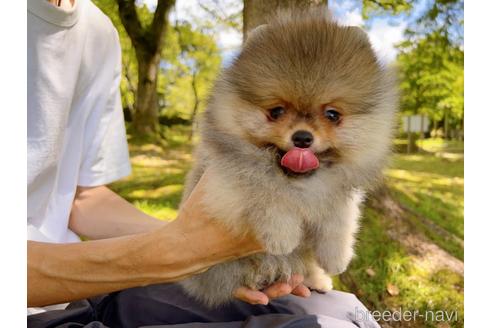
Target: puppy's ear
{"points": [[361, 34], [255, 32]]}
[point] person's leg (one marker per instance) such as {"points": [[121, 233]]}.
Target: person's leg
{"points": [[76, 314], [167, 304], [333, 304]]}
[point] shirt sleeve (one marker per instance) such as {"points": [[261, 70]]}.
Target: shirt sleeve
{"points": [[105, 157]]}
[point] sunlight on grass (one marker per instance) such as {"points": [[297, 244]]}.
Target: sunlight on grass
{"points": [[436, 145], [159, 211], [158, 174], [432, 187], [161, 192], [429, 291]]}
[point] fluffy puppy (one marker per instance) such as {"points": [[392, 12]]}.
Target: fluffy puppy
{"points": [[296, 129]]}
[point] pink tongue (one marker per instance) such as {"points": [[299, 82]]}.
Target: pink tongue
{"points": [[300, 160]]}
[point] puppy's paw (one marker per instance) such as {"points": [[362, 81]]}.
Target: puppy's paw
{"points": [[319, 281], [335, 261]]}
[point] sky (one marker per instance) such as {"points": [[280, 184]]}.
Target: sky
{"points": [[385, 31]]}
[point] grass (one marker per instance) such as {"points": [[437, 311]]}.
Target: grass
{"points": [[439, 145], [419, 286], [429, 184], [156, 183], [432, 187]]}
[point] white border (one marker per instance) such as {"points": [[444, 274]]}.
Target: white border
{"points": [[13, 163], [478, 162]]}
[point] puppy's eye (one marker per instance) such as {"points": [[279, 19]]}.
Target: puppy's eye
{"points": [[332, 114], [276, 112]]}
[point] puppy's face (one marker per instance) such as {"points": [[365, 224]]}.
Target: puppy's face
{"points": [[286, 124], [303, 81]]}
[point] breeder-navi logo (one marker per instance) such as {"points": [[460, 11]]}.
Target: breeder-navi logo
{"points": [[405, 315]]}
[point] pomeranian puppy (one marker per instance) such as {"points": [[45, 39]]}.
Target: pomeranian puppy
{"points": [[296, 129]]}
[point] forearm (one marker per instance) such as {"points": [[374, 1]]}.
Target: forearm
{"points": [[64, 272], [190, 244], [99, 213]]}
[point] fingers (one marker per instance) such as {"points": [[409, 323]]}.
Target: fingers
{"points": [[251, 296], [293, 286], [298, 287], [301, 291], [278, 289]]}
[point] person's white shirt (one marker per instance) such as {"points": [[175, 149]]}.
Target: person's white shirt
{"points": [[75, 126]]}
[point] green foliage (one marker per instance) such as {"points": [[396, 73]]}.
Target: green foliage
{"points": [[129, 76], [431, 64], [224, 13], [375, 7], [189, 64], [444, 17], [430, 61], [431, 75]]}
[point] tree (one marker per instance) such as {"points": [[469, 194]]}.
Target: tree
{"points": [[199, 56], [375, 7], [190, 64], [129, 74], [256, 12], [431, 65], [147, 40]]}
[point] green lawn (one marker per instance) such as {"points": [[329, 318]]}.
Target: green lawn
{"points": [[432, 187], [428, 184], [156, 183], [382, 264]]}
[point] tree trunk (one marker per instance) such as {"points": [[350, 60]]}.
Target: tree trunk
{"points": [[148, 42], [446, 124], [131, 88], [256, 12], [146, 115], [409, 135]]}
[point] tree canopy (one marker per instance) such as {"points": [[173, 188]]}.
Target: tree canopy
{"points": [[431, 63], [430, 60], [188, 64]]}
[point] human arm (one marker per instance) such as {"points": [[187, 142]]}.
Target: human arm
{"points": [[145, 254], [99, 213], [188, 245]]}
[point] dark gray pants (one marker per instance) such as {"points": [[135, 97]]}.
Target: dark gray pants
{"points": [[167, 306]]}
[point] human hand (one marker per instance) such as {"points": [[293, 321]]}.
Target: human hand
{"points": [[209, 237], [294, 286]]}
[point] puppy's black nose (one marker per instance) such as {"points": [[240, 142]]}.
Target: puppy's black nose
{"points": [[302, 139]]}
